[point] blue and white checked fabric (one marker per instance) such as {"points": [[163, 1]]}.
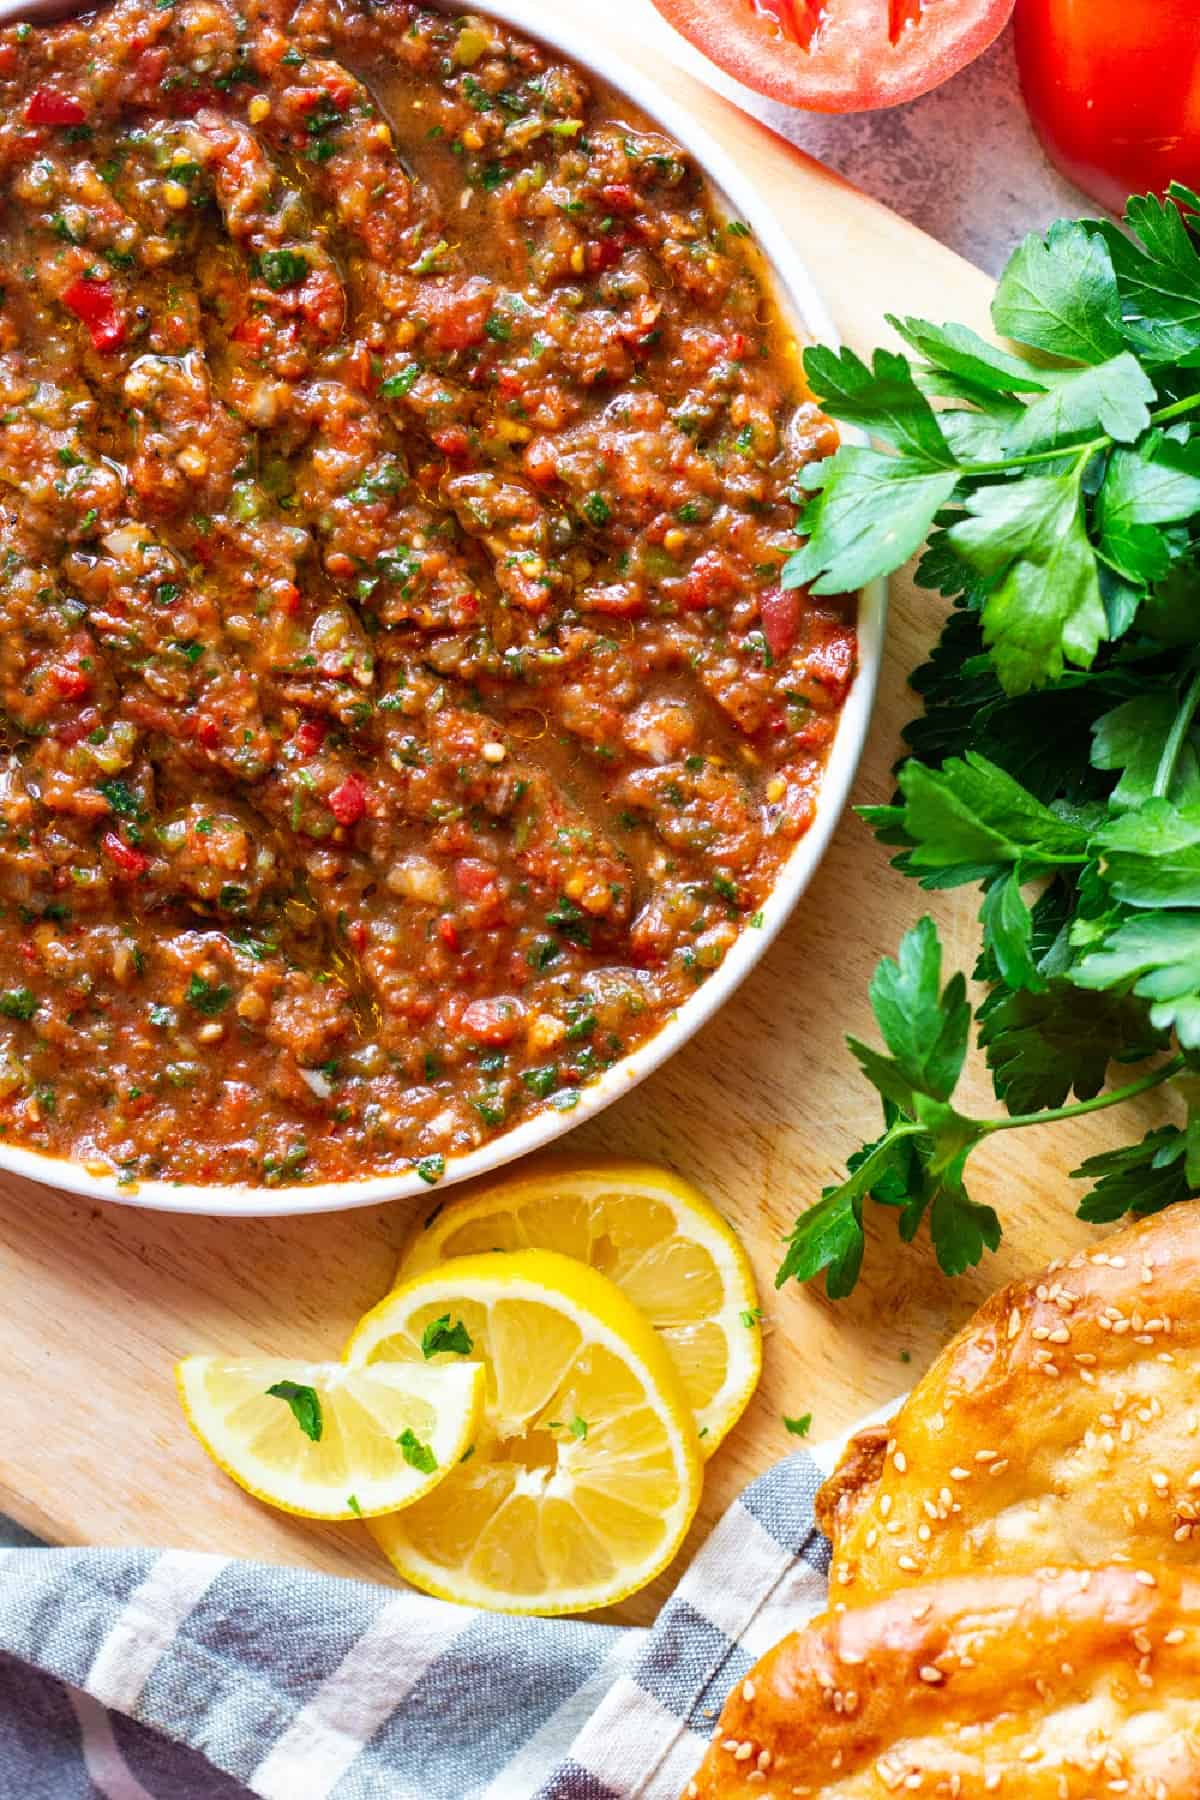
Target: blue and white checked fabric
{"points": [[169, 1675]]}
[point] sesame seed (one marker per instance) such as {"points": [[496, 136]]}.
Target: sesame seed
{"points": [[908, 1564], [748, 1690], [900, 1461], [1145, 1577]]}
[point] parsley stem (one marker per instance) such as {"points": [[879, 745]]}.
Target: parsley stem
{"points": [[1113, 1098], [1175, 409], [1035, 456], [1165, 774], [1085, 451]]}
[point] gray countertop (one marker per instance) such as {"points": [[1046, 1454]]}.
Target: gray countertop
{"points": [[962, 162]]}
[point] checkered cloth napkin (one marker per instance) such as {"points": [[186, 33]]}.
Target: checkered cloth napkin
{"points": [[168, 1675]]}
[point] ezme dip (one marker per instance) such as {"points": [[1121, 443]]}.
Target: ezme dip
{"points": [[401, 713]]}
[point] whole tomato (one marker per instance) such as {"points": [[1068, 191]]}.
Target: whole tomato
{"points": [[1113, 88]]}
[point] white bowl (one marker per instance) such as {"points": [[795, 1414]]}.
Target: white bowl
{"points": [[794, 290]]}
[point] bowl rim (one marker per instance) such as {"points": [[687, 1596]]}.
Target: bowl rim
{"points": [[798, 295]]}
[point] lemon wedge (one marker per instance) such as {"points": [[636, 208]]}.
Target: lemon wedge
{"points": [[656, 1237], [586, 1471], [328, 1441]]}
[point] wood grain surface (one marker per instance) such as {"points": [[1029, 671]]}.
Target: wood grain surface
{"points": [[761, 1108]]}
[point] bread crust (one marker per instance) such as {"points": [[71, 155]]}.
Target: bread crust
{"points": [[840, 1499], [1071, 1684], [1062, 1425]]}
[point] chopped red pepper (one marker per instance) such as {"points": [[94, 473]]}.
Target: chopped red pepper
{"points": [[473, 877], [448, 932], [348, 801], [780, 620], [310, 735], [130, 862], [93, 302], [451, 440], [603, 253], [710, 580], [72, 683], [46, 106]]}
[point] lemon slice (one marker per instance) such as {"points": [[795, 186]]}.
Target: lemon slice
{"points": [[651, 1233], [328, 1441], [586, 1471]]}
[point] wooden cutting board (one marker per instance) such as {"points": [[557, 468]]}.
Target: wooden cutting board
{"points": [[97, 1302]]}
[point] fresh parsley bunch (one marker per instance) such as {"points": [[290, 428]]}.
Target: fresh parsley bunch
{"points": [[1057, 764]]}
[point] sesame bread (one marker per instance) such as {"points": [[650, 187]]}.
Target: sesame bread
{"points": [[1062, 1425], [1072, 1684]]}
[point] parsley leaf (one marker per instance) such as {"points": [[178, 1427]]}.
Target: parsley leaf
{"points": [[1113, 397], [1155, 484], [1158, 277], [969, 820], [305, 1403], [872, 514], [1152, 856], [884, 397], [1059, 294], [1139, 1178], [209, 999], [1043, 1047], [925, 1026], [417, 1455], [958, 351], [1158, 955], [440, 1337], [1133, 738], [1008, 933], [1045, 605]]}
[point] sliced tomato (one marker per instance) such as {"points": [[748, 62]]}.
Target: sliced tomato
{"points": [[839, 55]]}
